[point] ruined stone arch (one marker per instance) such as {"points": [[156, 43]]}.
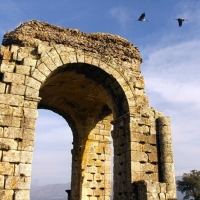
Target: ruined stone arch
{"points": [[93, 81]]}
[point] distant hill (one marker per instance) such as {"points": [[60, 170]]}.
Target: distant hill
{"points": [[50, 192], [57, 192]]}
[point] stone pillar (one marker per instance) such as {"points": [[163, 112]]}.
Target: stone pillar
{"points": [[122, 163], [91, 162], [166, 156], [76, 169]]}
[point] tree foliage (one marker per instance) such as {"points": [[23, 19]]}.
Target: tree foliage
{"points": [[190, 185]]}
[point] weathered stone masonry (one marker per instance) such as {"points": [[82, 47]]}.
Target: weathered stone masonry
{"points": [[93, 81]]}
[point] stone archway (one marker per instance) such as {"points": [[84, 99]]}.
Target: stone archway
{"points": [[93, 81]]}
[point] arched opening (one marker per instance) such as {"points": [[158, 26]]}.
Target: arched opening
{"points": [[51, 167], [89, 99]]}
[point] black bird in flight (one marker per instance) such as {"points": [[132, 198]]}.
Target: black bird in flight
{"points": [[142, 18], [180, 21]]}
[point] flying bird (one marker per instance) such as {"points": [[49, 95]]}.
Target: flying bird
{"points": [[180, 21], [142, 18]]}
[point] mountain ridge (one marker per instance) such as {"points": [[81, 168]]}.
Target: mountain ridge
{"points": [[57, 191]]}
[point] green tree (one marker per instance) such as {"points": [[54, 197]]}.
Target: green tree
{"points": [[190, 185]]}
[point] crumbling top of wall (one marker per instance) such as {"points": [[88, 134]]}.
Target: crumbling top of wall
{"points": [[31, 33]]}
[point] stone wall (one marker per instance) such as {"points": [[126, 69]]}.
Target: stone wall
{"points": [[93, 81]]}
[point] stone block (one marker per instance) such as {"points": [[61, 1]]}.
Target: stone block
{"points": [[134, 166], [29, 81], [95, 61], [154, 176], [101, 157], [87, 192], [11, 143], [85, 197], [17, 182], [14, 48], [92, 169], [4, 147], [48, 62], [31, 104], [26, 157], [99, 149], [149, 148], [26, 145], [6, 194], [153, 157], [1, 131], [106, 138], [97, 193], [80, 56], [93, 184], [3, 49], [14, 78], [108, 191], [38, 75], [107, 150], [43, 69], [136, 146], [135, 137], [1, 182], [11, 156], [10, 121], [105, 132], [20, 54], [162, 196], [163, 188], [23, 69], [93, 156], [98, 177], [88, 161], [28, 61], [6, 110], [22, 169], [10, 99], [65, 57], [17, 111], [12, 132], [53, 54], [88, 176], [17, 89], [30, 113], [72, 57], [29, 123], [85, 184], [6, 67], [147, 167], [100, 170], [88, 58], [31, 92], [6, 168], [99, 137], [139, 156], [152, 139], [22, 194], [107, 169], [42, 47], [7, 55], [2, 88]]}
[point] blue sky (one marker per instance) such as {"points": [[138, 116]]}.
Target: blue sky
{"points": [[171, 57]]}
